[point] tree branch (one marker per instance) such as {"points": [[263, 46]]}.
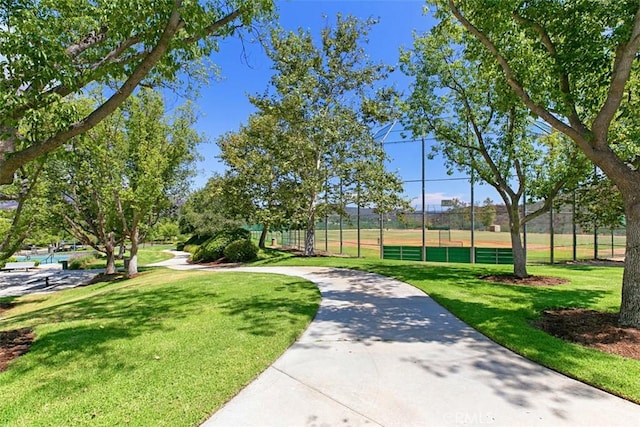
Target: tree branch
{"points": [[90, 40], [564, 84], [578, 135], [116, 53], [13, 161], [8, 166], [625, 55]]}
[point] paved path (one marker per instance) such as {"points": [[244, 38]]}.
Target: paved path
{"points": [[382, 353]]}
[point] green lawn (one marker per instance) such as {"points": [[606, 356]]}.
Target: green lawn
{"points": [[169, 347], [504, 313], [146, 255], [166, 348], [152, 254]]}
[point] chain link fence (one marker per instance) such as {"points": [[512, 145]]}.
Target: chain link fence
{"points": [[550, 238]]}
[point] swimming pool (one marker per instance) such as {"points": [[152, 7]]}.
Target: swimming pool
{"points": [[44, 258]]}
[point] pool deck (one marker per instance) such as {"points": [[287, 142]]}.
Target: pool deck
{"points": [[46, 278]]}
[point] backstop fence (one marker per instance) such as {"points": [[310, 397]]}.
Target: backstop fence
{"points": [[550, 238]]}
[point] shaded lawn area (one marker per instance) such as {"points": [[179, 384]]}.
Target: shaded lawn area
{"points": [[146, 255], [506, 313], [165, 348]]}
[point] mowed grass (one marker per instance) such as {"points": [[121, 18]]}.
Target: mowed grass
{"points": [[166, 348], [505, 313], [146, 255], [152, 254]]}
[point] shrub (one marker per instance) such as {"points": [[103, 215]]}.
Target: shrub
{"points": [[241, 251], [79, 262], [190, 248], [235, 234], [195, 240], [213, 248]]}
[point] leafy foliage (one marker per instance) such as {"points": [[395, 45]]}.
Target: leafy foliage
{"points": [[193, 242], [309, 150], [600, 204], [53, 51], [574, 65], [114, 182], [241, 251], [211, 209], [213, 248]]}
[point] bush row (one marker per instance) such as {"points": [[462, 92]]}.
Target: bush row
{"points": [[234, 245]]}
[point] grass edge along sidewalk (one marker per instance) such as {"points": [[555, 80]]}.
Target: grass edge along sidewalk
{"points": [[165, 348], [505, 313]]}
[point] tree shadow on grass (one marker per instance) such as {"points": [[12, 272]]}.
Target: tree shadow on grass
{"points": [[508, 324], [512, 378], [88, 327], [410, 319], [263, 314]]}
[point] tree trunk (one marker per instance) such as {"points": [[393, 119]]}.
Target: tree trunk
{"points": [[630, 304], [519, 258], [133, 255], [309, 240], [263, 236], [310, 235], [111, 261], [110, 251]]}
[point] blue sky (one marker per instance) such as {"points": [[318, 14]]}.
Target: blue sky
{"points": [[245, 69]]}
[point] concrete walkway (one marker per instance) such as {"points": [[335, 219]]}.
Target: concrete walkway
{"points": [[382, 353]]}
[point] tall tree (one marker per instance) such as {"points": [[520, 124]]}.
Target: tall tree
{"points": [[114, 182], [481, 128], [211, 209], [325, 104], [83, 181], [53, 50], [261, 183], [574, 65]]}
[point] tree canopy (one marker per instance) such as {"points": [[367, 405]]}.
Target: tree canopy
{"points": [[53, 50], [574, 65], [481, 128], [318, 119]]}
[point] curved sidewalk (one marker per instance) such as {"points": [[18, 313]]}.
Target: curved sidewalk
{"points": [[380, 352]]}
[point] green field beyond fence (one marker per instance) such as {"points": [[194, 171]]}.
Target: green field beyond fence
{"points": [[540, 247]]}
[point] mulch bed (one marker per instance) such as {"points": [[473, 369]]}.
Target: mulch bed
{"points": [[13, 344], [587, 327], [510, 279], [592, 329]]}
